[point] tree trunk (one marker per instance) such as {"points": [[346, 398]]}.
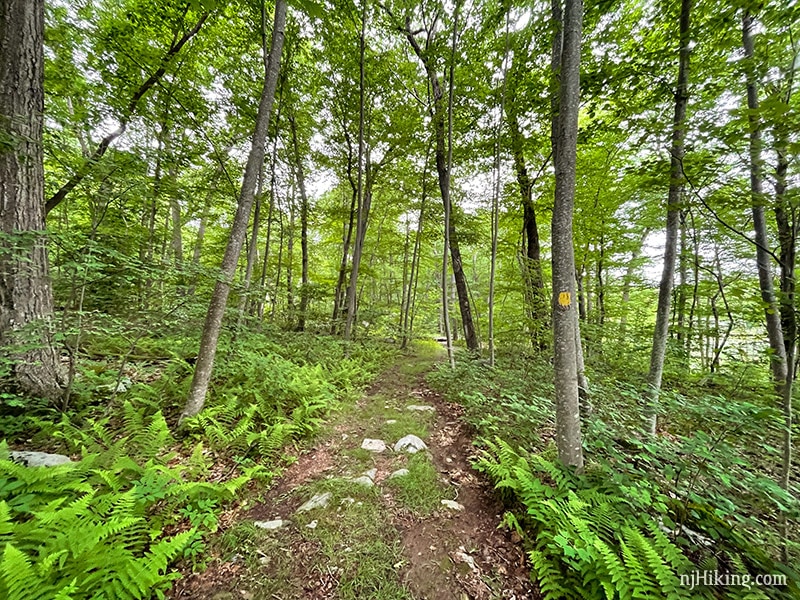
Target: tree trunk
{"points": [[406, 287], [787, 237], [565, 135], [363, 207], [532, 267], [216, 309], [442, 152], [676, 186], [778, 358], [338, 296], [626, 284], [26, 297], [197, 253], [279, 266], [683, 274], [252, 253], [408, 319], [290, 307], [273, 167], [301, 184], [496, 200]]}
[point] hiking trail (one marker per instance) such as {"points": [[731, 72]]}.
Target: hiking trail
{"points": [[354, 518]]}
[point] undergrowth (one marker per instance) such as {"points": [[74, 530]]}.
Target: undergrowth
{"points": [[111, 523], [700, 496]]}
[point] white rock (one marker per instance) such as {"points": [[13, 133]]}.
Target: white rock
{"points": [[420, 408], [372, 474], [318, 501], [364, 480], [461, 556], [391, 421], [38, 459], [313, 524], [399, 473], [373, 445], [452, 505], [269, 525], [410, 444]]}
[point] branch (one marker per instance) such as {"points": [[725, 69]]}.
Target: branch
{"points": [[722, 221], [104, 144]]}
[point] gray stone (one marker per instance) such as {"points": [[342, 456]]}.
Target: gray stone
{"points": [[410, 444], [452, 505], [38, 459], [399, 473], [270, 525], [420, 408], [364, 480], [373, 445], [318, 501], [372, 474]]}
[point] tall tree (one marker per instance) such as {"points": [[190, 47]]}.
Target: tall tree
{"points": [[26, 297], [676, 185], [363, 200], [441, 115], [778, 363], [568, 423], [219, 298]]}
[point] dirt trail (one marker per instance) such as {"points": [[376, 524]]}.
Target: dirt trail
{"points": [[393, 540]]}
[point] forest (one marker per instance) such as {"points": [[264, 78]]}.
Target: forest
{"points": [[399, 299]]}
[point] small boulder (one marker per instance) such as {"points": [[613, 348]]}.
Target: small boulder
{"points": [[38, 459], [399, 473], [364, 480], [452, 505], [270, 525], [373, 445], [420, 408], [410, 444], [318, 501]]}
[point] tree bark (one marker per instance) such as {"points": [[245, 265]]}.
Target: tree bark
{"points": [[532, 267], [216, 309], [362, 200], [676, 186], [786, 221], [26, 296], [778, 359], [301, 185], [565, 137]]}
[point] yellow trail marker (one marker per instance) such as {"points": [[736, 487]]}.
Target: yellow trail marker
{"points": [[564, 299]]}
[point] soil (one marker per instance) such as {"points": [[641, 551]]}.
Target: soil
{"points": [[448, 555]]}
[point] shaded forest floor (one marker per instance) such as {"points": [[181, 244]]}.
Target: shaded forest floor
{"points": [[382, 534]]}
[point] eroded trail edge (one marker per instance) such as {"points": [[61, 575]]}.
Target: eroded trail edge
{"points": [[358, 517]]}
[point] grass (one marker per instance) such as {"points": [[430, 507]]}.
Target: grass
{"points": [[420, 491], [360, 542]]}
